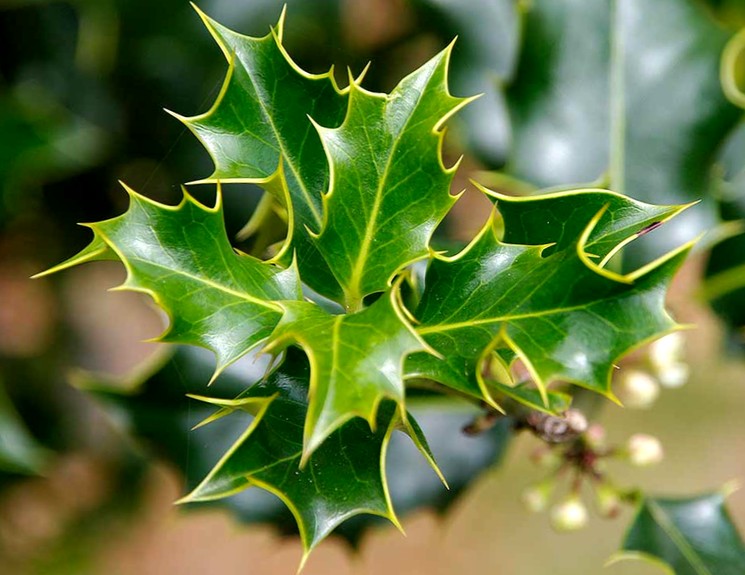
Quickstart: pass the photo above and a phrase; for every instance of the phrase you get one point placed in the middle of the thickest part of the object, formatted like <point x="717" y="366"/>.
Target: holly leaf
<point x="388" y="188"/>
<point x="560" y="218"/>
<point x="258" y="131"/>
<point x="556" y="306"/>
<point x="216" y="297"/>
<point x="693" y="536"/>
<point x="356" y="361"/>
<point x="151" y="407"/>
<point x="627" y="94"/>
<point x="344" y="477"/>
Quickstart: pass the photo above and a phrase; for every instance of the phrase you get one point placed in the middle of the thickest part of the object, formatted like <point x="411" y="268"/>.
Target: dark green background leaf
<point x="627" y="94"/>
<point x="692" y="536"/>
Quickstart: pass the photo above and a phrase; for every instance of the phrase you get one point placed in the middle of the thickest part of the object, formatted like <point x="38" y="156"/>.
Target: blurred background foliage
<point x="94" y="429"/>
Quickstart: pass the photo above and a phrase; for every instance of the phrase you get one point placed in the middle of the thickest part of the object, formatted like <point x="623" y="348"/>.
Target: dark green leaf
<point x="153" y="409"/>
<point x="344" y="477"/>
<point x="724" y="285"/>
<point x="625" y="93"/>
<point x="687" y="536"/>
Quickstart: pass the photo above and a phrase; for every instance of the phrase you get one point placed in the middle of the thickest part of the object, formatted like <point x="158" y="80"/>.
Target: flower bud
<point x="644" y="450"/>
<point x="637" y="389"/>
<point x="537" y="497"/>
<point x="667" y="350"/>
<point x="674" y="374"/>
<point x="569" y="515"/>
<point x="608" y="500"/>
<point x="595" y="436"/>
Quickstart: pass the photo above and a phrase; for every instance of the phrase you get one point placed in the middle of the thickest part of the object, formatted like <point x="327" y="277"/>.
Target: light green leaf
<point x="259" y="131"/>
<point x="216" y="298"/>
<point x="688" y="536"/>
<point x="388" y="189"/>
<point x="556" y="306"/>
<point x="356" y="361"/>
<point x="627" y="94"/>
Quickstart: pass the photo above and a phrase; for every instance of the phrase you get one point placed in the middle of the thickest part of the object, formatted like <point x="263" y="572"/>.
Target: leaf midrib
<point x="678" y="539"/>
<point x="353" y="291"/>
<point x="210" y="283"/>
<point x="280" y="141"/>
<point x="478" y="322"/>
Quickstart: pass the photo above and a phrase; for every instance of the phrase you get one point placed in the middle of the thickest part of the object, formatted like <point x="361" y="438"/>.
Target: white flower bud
<point x="569" y="515"/>
<point x="674" y="375"/>
<point x="537" y="497"/>
<point x="644" y="450"/>
<point x="667" y="350"/>
<point x="637" y="389"/>
<point x="576" y="420"/>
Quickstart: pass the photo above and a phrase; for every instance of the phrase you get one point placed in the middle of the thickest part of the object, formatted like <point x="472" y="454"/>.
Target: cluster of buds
<point x="638" y="386"/>
<point x="579" y="460"/>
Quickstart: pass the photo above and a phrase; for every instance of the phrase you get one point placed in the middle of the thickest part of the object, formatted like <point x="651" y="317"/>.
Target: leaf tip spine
<point x="675" y="254"/>
<point x="179" y="117"/>
<point x="280" y="27"/>
<point x="361" y="75"/>
<point x="730" y="487"/>
<point x="211" y="26"/>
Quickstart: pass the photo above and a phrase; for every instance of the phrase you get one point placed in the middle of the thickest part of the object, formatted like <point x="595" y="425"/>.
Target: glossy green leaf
<point x="560" y="218"/>
<point x="344" y="477"/>
<point x="556" y="306"/>
<point x="153" y="409"/>
<point x="388" y="189"/>
<point x="462" y="457"/>
<point x="356" y="361"/>
<point x="627" y="94"/>
<point x="686" y="536"/>
<point x="216" y="298"/>
<point x="259" y="131"/>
